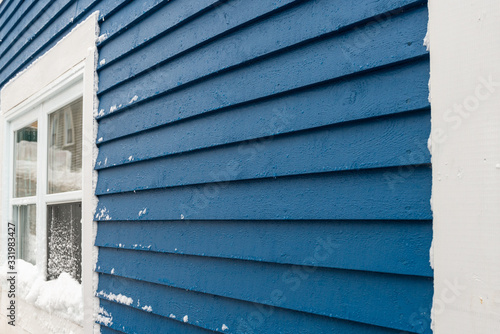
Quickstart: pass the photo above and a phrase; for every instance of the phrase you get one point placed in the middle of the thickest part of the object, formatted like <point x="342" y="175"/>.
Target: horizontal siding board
<point x="206" y="96"/>
<point x="133" y="321"/>
<point x="13" y="23"/>
<point x="306" y="21"/>
<point x="28" y="25"/>
<point x="399" y="247"/>
<point x="386" y="142"/>
<point x="8" y="14"/>
<point x="393" y="193"/>
<point x="399" y="39"/>
<point x="57" y="15"/>
<point x="4" y="7"/>
<point x="383" y="92"/>
<point x="299" y="23"/>
<point x="45" y="30"/>
<point x="123" y="39"/>
<point x="109" y="8"/>
<point x="176" y="25"/>
<point x="387" y="300"/>
<point x="107" y="330"/>
<point x="129" y="14"/>
<point x="212" y="312"/>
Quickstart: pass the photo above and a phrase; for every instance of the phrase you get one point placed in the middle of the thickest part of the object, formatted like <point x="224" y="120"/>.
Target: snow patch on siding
<point x="102" y="38"/>
<point x="104" y="317"/>
<point x="104" y="213"/>
<point x="427" y="41"/>
<point x="147" y="308"/>
<point x="116" y="298"/>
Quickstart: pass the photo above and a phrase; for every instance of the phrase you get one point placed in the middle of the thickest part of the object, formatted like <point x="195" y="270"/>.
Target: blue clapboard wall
<point x="263" y="165"/>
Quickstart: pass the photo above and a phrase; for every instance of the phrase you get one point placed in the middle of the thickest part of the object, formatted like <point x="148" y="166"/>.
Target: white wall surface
<point x="465" y="146"/>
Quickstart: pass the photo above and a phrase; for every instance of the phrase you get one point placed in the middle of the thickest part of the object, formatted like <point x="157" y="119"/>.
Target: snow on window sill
<point x="61" y="297"/>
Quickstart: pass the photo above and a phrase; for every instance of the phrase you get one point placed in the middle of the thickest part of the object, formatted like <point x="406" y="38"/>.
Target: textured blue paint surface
<point x="130" y="320"/>
<point x="396" y="89"/>
<point x="242" y="20"/>
<point x="9" y="12"/>
<point x="248" y="139"/>
<point x="380" y="194"/>
<point x="399" y="38"/>
<point x="399" y="247"/>
<point x="395" y="140"/>
<point x="211" y="311"/>
<point x="335" y="293"/>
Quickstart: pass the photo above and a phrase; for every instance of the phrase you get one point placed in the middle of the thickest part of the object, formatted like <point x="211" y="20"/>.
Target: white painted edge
<point x="465" y="146"/>
<point x="90" y="252"/>
<point x="73" y="57"/>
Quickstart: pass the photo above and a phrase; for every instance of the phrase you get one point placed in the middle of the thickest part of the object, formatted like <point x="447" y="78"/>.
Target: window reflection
<point x="65" y="149"/>
<point x="25" y="216"/>
<point x="64" y="240"/>
<point x="25" y="159"/>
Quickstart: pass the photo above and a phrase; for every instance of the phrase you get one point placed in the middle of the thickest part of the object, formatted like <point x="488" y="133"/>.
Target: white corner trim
<point x="73" y="59"/>
<point x="465" y="145"/>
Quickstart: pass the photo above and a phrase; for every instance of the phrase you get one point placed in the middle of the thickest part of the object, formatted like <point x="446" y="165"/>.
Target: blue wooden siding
<point x="262" y="164"/>
<point x="38" y="25"/>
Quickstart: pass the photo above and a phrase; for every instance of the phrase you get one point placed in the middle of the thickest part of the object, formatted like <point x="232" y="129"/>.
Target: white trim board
<point x="465" y="147"/>
<point x="71" y="61"/>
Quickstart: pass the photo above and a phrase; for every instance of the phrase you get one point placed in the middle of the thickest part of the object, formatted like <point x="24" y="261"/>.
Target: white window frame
<point x="54" y="98"/>
<point x="58" y="77"/>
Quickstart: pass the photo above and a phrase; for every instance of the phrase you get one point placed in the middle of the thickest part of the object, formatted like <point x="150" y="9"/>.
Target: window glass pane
<point x="25" y="217"/>
<point x="64" y="240"/>
<point x="65" y="149"/>
<point x="25" y="159"/>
